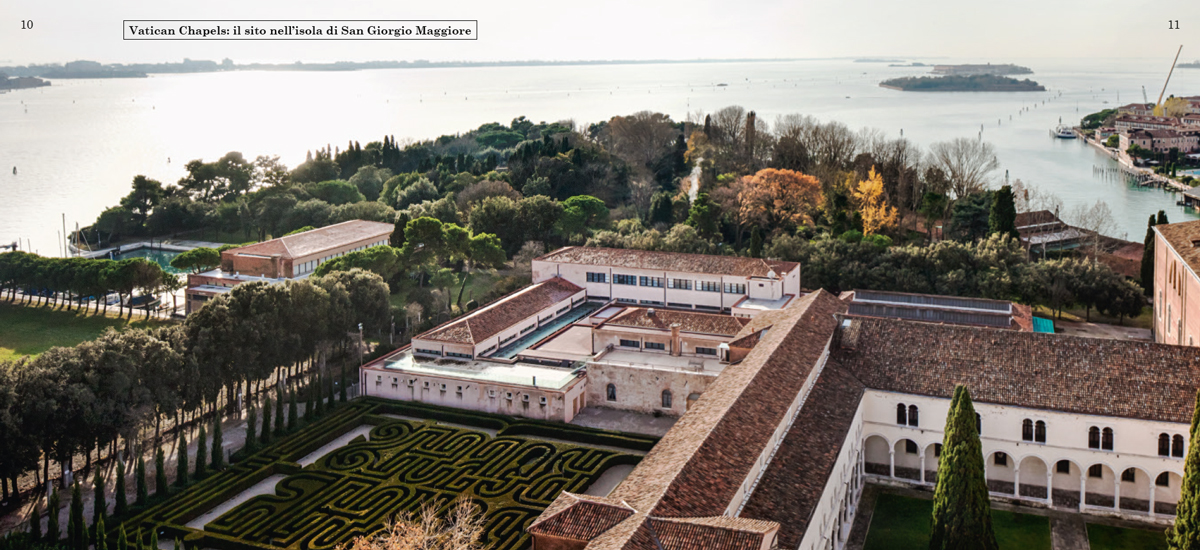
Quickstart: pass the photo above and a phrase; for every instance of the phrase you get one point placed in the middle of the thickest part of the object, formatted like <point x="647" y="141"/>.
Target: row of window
<point x="659" y="282"/>
<point x="309" y="266"/>
<point x="610" y="393"/>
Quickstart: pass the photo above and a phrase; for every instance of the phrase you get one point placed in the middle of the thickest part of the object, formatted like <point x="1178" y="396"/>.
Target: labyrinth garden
<point x="403" y="463"/>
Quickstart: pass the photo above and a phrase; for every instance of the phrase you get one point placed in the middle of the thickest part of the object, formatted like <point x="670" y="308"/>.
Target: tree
<point x="52" y="523"/>
<point x="1096" y="221"/>
<point x="877" y="215"/>
<point x="779" y="199"/>
<point x="99" y="502"/>
<point x="160" y="474"/>
<point x="704" y="216"/>
<point x="1184" y="533"/>
<point x="969" y="217"/>
<point x="461" y="530"/>
<point x="122" y="504"/>
<point x="76" y="528"/>
<point x="582" y="213"/>
<point x="265" y="436"/>
<point x="1003" y="216"/>
<point x="201" y="454"/>
<point x="967" y="163"/>
<point x="1147" y="273"/>
<point x="139" y="475"/>
<point x="197" y="260"/>
<point x="292" y="410"/>
<point x="662" y="209"/>
<point x="756" y="242"/>
<point x="122" y="539"/>
<point x="383" y="260"/>
<point x="218" y="451"/>
<point x="962" y="516"/>
<point x="279" y="411"/>
<point x="251" y="429"/>
<point x="100" y="536"/>
<point x="397" y="238"/>
<point x="35" y="522"/>
<point x="146" y="194"/>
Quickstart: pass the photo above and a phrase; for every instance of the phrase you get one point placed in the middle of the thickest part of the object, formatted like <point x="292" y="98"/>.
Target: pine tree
<point x="76" y="526"/>
<point x="293" y="410"/>
<point x="218" y="452"/>
<point x="265" y="436"/>
<point x="35" y="522"/>
<point x="181" y="462"/>
<point x="962" y="516"/>
<point x="100" y="508"/>
<point x="122" y="539"/>
<point x="160" y="474"/>
<point x="251" y="429"/>
<point x="279" y="412"/>
<point x="1184" y="534"/>
<point x="122" y="500"/>
<point x="139" y="473"/>
<point x="201" y="453"/>
<point x="1003" y="216"/>
<point x="99" y="535"/>
<point x="53" y="533"/>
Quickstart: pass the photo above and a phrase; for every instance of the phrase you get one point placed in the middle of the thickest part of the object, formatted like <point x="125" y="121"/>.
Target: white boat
<point x="1064" y="132"/>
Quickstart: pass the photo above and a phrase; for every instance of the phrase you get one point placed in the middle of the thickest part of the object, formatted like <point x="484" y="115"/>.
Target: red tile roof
<point x="690" y="321"/>
<point x="318" y="240"/>
<point x="669" y="261"/>
<point x="580" y="517"/>
<point x="503" y="313"/>
<point x="1183" y="237"/>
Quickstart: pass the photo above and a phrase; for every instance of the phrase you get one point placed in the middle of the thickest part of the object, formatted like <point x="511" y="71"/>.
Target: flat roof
<point x="317" y="240"/>
<point x="679" y="262"/>
<point x="518" y="374"/>
<point x="762" y="304"/>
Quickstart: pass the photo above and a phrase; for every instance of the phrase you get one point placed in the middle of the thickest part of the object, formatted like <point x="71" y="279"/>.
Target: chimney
<point x="675" y="344"/>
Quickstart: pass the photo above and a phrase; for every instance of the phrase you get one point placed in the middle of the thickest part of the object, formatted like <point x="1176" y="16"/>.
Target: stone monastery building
<point x="788" y="402"/>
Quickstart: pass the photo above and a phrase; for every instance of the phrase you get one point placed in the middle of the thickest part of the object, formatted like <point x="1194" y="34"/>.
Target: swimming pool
<point x="158" y="256"/>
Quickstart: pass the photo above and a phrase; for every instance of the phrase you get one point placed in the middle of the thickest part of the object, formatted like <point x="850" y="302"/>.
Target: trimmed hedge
<point x="356" y="488"/>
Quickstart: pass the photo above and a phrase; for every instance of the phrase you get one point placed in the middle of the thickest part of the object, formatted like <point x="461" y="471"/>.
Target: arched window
<point x="1164" y="445"/>
<point x="901" y="414"/>
<point x="612" y="392"/>
<point x="1093" y="438"/>
<point x="1163" y="480"/>
<point x="1128" y="476"/>
<point x="1063" y="467"/>
<point x="1177" y="446"/>
<point x="1039" y="432"/>
<point x="1107" y="443"/>
<point x="1027" y="430"/>
<point x="912" y="415"/>
<point x="666" y="399"/>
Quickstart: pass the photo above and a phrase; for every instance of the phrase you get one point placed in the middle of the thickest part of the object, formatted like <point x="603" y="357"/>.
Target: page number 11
<point x="26" y="24"/>
<point x="1173" y="24"/>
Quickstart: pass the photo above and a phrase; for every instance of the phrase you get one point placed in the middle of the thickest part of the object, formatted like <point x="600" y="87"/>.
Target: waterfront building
<point x="1176" y="285"/>
<point x="1125" y="123"/>
<point x="1042" y="231"/>
<point x="289" y="257"/>
<point x="1139" y="109"/>
<point x="1161" y="141"/>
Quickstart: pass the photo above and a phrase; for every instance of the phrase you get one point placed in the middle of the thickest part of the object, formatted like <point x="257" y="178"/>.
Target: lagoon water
<point x="78" y="143"/>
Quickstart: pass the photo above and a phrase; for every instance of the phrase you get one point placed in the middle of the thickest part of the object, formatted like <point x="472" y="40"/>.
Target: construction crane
<point x="1172" y="71"/>
<point x="1144" y="98"/>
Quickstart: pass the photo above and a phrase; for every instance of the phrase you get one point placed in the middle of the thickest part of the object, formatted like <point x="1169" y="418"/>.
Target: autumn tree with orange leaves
<point x="777" y="199"/>
<point x="877" y="215"/>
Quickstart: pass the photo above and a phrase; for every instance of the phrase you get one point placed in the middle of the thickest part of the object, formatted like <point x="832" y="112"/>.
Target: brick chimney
<point x="675" y="343"/>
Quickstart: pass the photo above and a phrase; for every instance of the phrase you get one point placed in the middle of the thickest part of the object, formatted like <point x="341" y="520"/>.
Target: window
<point x="708" y="286"/>
<point x="1000" y="459"/>
<point x="542" y="401"/>
<point x="1177" y="446"/>
<point x="910" y="447"/>
<point x="978" y="424"/>
<point x="735" y="288"/>
<point x="1027" y="430"/>
<point x="706" y="351"/>
<point x="656" y="282"/>
<point x="1096" y="470"/>
<point x="459" y="355"/>
<point x="937" y="450"/>
<point x="1093" y="438"/>
<point x="650" y="302"/>
<point x="1039" y="432"/>
<point x="630" y="343"/>
<point x="666" y="399"/>
<point x="901" y="414"/>
<point x="597" y="277"/>
<point x="1063" y="467"/>
<point x="1128" y="475"/>
<point x="912" y="415"/>
<point x="625" y="279"/>
<point x="681" y="284"/>
<point x="656" y="345"/>
<point x="1163" y="480"/>
<point x="528" y="328"/>
<point x="611" y="393"/>
<point x="1164" y="445"/>
<point x="1107" y="442"/>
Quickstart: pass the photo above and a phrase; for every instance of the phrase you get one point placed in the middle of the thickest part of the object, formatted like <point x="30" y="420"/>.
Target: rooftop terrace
<point x="519" y="374"/>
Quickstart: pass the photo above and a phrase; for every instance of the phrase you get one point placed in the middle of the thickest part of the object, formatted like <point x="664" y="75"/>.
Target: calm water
<point x="160" y="257"/>
<point x="78" y="144"/>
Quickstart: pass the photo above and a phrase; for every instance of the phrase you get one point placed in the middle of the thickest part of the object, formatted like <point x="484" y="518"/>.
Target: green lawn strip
<point x="30" y="330"/>
<point x="900" y="523"/>
<point x="1107" y="537"/>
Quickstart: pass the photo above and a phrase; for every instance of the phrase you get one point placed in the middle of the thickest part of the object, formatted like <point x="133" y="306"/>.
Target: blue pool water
<point x="160" y="257"/>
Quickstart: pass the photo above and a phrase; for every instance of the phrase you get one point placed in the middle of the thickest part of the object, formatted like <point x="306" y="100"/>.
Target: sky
<point x="66" y="30"/>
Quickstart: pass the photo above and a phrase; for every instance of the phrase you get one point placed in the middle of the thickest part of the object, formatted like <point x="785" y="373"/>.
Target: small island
<point x="977" y="83"/>
<point x="20" y="82"/>
<point x="876" y="60"/>
<point x="988" y="68"/>
<point x="1192" y="65"/>
<point x="913" y="64"/>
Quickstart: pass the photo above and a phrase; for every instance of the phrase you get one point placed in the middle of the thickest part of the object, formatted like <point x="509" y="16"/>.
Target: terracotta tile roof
<point x="318" y="240"/>
<point x="791" y="488"/>
<point x="710" y="533"/>
<point x="669" y="261"/>
<point x="698" y="466"/>
<point x="1025" y="219"/>
<point x="503" y="313"/>
<point x="1043" y="371"/>
<point x="580" y="517"/>
<point x="690" y="321"/>
<point x="1182" y="236"/>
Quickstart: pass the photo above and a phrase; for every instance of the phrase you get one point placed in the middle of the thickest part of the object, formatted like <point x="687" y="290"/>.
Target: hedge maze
<point x="402" y="464"/>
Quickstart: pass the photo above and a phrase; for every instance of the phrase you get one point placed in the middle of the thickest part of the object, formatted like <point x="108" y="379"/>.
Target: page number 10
<point x="1173" y="24"/>
<point x="26" y="24"/>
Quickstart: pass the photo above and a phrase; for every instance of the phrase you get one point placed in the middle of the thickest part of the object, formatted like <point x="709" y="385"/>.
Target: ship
<point x="1064" y="132"/>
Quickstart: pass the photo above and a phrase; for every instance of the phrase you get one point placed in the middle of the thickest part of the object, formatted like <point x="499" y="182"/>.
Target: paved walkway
<point x="1068" y="532"/>
<point x="624" y="421"/>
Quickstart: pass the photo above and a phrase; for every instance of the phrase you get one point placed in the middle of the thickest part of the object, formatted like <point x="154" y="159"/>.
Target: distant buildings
<point x="1162" y="141"/>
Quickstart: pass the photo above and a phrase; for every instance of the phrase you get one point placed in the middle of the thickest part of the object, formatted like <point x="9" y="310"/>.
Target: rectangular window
<point x="1001" y="459"/>
<point x="656" y="282"/>
<point x="507" y="340"/>
<point x="735" y="288"/>
<point x="563" y="310"/>
<point x="625" y="279"/>
<point x="459" y="355"/>
<point x="706" y="351"/>
<point x="708" y="286"/>
<point x="630" y="343"/>
<point x="678" y="304"/>
<point x="429" y="351"/>
<point x="528" y="328"/>
<point x="681" y="284"/>
<point x="650" y="302"/>
<point x="656" y="345"/>
<point x="597" y="277"/>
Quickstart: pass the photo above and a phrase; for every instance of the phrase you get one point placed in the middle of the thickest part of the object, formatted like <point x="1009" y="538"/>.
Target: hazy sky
<point x="65" y="30"/>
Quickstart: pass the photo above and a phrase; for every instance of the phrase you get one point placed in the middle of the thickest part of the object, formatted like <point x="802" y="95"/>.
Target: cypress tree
<point x="319" y="396"/>
<point x="218" y="452"/>
<point x="1162" y="218"/>
<point x="1003" y="216"/>
<point x="330" y="397"/>
<point x="177" y="545"/>
<point x="251" y="428"/>
<point x="122" y="539"/>
<point x="293" y="410"/>
<point x="756" y="242"/>
<point x="265" y="436"/>
<point x="99" y="501"/>
<point x="35" y="522"/>
<point x="962" y="516"/>
<point x="181" y="462"/>
<point x="53" y="534"/>
<point x="76" y="526"/>
<point x="279" y="412"/>
<point x="1184" y="534"/>
<point x="139" y="473"/>
<point x="201" y="453"/>
<point x="137" y="539"/>
<point x="122" y="500"/>
<point x="99" y="540"/>
<point x="160" y="474"/>
<point x="309" y="406"/>
<point x="154" y="539"/>
<point x="343" y="396"/>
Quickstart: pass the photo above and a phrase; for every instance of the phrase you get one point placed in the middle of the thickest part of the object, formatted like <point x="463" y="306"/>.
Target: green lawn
<point x="901" y="523"/>
<point x="33" y="330"/>
<point x="1104" y="537"/>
